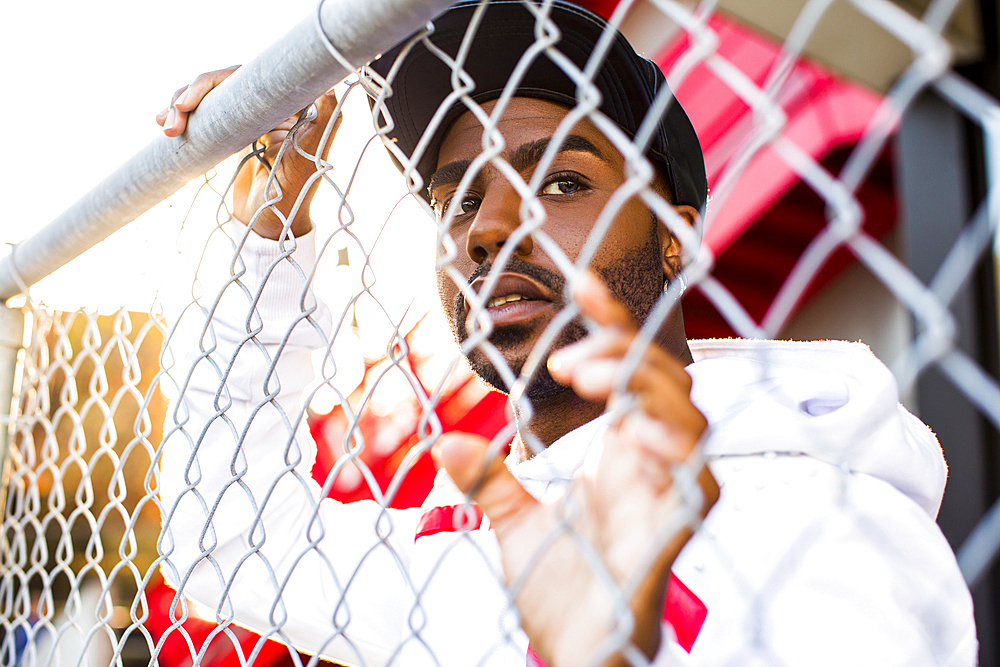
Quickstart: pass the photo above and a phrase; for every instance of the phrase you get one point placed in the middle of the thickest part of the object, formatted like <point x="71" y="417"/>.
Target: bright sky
<point x="84" y="83"/>
<point x="85" y="80"/>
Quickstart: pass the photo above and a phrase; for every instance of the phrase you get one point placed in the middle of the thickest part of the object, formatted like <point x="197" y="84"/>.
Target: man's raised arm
<point x="295" y="178"/>
<point x="246" y="530"/>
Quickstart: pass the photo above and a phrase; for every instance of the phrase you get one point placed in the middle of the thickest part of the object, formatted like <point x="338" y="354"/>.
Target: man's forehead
<point x="524" y="119"/>
<point x="517" y="110"/>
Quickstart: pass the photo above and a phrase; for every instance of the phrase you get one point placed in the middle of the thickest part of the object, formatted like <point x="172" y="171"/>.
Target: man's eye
<point x="560" y="186"/>
<point x="467" y="204"/>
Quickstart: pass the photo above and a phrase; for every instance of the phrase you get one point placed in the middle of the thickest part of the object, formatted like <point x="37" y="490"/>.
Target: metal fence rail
<point x="280" y="82"/>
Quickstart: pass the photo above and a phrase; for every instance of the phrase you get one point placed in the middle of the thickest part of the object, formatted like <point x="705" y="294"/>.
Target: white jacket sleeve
<point x="802" y="563"/>
<point x="822" y="549"/>
<point x="244" y="529"/>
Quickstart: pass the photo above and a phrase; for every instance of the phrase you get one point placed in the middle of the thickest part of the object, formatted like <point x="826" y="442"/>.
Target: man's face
<point x="577" y="185"/>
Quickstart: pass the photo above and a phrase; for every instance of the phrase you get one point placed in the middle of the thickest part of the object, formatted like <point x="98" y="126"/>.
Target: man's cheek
<point x="446" y="291"/>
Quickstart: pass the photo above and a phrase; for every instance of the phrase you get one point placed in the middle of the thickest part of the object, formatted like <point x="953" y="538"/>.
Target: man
<point x="822" y="548"/>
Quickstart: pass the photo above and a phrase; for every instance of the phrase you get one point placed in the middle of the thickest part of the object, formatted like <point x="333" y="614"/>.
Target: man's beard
<point x="636" y="281"/>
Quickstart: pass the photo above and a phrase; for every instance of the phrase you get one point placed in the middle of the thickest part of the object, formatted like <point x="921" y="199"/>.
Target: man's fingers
<point x="174" y="118"/>
<point x="177" y="94"/>
<point x="709" y="489"/>
<point x="669" y="442"/>
<point x="191" y="96"/>
<point x="309" y="134"/>
<point x="667" y="426"/>
<point x="618" y="332"/>
<point x="161" y="118"/>
<point x="314" y="131"/>
<point x="479" y="472"/>
<point x="174" y="123"/>
<point x="575" y="365"/>
<point x="295" y="173"/>
<point x="596" y="302"/>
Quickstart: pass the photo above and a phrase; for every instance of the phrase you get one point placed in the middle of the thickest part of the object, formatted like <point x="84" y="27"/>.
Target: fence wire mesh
<point x="242" y="475"/>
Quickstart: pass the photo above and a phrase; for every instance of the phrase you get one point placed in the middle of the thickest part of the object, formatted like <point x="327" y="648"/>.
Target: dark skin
<point x="582" y="179"/>
<point x="624" y="504"/>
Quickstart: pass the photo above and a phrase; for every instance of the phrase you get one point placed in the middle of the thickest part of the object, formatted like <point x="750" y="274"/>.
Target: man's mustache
<point x="550" y="279"/>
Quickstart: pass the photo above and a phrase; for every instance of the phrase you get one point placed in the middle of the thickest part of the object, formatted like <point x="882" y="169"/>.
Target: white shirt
<point x="822" y="549"/>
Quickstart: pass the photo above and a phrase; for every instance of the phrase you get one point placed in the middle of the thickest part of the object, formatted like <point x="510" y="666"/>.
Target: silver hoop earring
<point x="680" y="278"/>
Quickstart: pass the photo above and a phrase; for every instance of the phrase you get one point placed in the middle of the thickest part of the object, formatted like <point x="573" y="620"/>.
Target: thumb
<point x="313" y="132"/>
<point x="481" y="473"/>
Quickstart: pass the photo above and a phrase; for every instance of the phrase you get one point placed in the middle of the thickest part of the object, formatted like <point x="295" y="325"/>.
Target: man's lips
<point x="514" y="298"/>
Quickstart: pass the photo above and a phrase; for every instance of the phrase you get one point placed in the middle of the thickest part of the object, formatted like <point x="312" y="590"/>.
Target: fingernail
<point x="591" y="345"/>
<point x="182" y="98"/>
<point x="168" y="124"/>
<point x="566" y="357"/>
<point x="598" y="375"/>
<point x="586" y="284"/>
<point x="555" y="363"/>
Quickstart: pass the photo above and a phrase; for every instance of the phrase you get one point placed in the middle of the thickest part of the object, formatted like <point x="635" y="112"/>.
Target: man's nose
<point x="496" y="223"/>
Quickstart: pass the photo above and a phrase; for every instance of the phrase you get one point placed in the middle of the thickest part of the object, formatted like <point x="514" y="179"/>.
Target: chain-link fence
<point x="243" y="474"/>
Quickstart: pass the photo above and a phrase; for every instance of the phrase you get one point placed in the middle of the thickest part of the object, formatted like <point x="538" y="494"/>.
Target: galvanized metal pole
<point x="281" y="81"/>
<point x="11" y="338"/>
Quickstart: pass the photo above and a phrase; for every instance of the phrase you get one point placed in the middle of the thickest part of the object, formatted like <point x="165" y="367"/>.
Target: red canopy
<point x="824" y="112"/>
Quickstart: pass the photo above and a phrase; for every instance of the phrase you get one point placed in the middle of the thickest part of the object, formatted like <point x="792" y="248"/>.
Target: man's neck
<point x="555" y="416"/>
<point x="551" y="419"/>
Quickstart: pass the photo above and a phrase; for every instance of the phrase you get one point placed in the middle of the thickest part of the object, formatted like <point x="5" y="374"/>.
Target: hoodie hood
<point x="832" y="400"/>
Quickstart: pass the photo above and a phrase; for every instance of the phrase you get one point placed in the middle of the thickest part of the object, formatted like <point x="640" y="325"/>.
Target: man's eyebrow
<point x="528" y="155"/>
<point x="449" y="174"/>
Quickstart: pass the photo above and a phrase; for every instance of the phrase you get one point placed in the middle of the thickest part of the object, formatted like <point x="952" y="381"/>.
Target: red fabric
<point x="185" y="639"/>
<point x="448" y="519"/>
<point x="469" y="406"/>
<point x="534" y="660"/>
<point x="684" y="611"/>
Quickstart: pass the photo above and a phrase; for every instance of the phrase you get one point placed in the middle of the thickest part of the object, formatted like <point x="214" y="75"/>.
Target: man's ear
<point x="671" y="251"/>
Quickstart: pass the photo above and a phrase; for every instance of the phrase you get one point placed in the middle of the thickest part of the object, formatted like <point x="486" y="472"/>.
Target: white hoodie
<point x="821" y="551"/>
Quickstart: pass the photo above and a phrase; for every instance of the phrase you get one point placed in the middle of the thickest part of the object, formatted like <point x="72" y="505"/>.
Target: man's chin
<point x="541" y="387"/>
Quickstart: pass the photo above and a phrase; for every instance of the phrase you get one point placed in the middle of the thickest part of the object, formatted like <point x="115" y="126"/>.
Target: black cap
<point x="628" y="84"/>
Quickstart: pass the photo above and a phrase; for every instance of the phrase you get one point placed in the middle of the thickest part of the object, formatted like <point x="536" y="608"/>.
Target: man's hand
<point x="295" y="177"/>
<point x="630" y="512"/>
